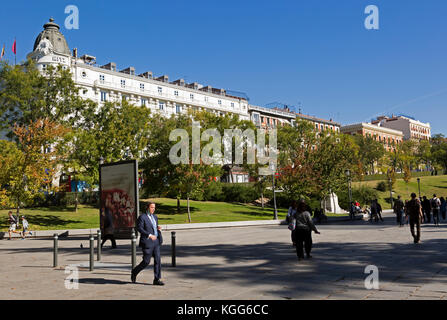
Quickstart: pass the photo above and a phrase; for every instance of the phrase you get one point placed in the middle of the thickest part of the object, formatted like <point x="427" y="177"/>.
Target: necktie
<point x="154" y="225"/>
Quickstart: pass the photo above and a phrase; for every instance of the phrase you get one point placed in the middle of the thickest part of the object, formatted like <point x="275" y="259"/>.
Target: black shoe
<point x="309" y="256"/>
<point x="133" y="277"/>
<point x="158" y="282"/>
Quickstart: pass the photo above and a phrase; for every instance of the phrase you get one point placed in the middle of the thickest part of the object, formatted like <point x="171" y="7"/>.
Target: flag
<point x="2" y="53"/>
<point x="14" y="47"/>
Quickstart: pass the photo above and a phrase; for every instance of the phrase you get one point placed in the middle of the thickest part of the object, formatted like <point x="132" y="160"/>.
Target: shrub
<point x="239" y="193"/>
<point x="213" y="192"/>
<point x="382" y="186"/>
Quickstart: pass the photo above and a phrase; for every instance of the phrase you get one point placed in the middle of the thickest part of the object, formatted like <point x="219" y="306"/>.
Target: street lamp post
<point x="274" y="196"/>
<point x="348" y="174"/>
<point x="391" y="192"/>
<point x="419" y="187"/>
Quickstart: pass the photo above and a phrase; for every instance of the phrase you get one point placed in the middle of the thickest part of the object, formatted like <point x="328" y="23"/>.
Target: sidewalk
<point x="174" y="227"/>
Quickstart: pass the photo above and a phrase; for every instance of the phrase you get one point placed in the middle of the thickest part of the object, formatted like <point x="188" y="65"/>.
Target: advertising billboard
<point x="119" y="205"/>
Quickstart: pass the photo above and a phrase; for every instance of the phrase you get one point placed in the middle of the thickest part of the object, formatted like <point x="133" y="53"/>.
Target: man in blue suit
<point x="150" y="242"/>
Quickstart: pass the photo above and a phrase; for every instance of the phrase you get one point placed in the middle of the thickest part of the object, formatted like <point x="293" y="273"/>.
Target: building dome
<point x="55" y="37"/>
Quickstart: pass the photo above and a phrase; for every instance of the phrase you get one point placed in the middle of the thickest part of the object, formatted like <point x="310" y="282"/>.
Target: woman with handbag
<point x="303" y="231"/>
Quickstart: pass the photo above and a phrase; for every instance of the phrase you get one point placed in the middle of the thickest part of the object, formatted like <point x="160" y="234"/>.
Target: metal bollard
<point x="55" y="249"/>
<point x="134" y="250"/>
<point x="173" y="248"/>
<point x="92" y="252"/>
<point x="98" y="245"/>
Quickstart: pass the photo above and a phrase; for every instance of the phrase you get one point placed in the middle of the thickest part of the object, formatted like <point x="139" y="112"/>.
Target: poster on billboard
<point x="118" y="198"/>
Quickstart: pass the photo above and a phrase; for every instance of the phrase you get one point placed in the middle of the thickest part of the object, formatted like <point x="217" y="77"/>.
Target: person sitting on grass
<point x="25" y="226"/>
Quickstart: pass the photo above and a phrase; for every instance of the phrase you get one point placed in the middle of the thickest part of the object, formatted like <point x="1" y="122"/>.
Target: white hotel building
<point x="108" y="83"/>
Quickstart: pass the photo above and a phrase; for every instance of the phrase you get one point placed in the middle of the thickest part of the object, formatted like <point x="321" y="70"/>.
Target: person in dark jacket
<point x="443" y="208"/>
<point x="303" y="231"/>
<point x="426" y="209"/>
<point x="399" y="211"/>
<point x="413" y="210"/>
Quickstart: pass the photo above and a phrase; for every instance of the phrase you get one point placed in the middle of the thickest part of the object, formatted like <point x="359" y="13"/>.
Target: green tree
<point x="29" y="165"/>
<point x="28" y="95"/>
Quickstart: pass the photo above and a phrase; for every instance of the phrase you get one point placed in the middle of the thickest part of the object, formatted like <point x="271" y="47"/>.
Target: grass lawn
<point x="88" y="217"/>
<point x="429" y="185"/>
<point x="56" y="218"/>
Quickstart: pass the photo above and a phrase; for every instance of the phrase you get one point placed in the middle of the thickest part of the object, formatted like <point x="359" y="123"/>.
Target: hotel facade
<point x="108" y="83"/>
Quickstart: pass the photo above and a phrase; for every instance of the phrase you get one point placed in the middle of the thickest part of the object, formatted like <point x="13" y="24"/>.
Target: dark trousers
<point x="399" y="215"/>
<point x="148" y="253"/>
<point x="303" y="240"/>
<point x="427" y="216"/>
<point x="415" y="222"/>
<point x="443" y="214"/>
<point x="436" y="216"/>
<point x="109" y="237"/>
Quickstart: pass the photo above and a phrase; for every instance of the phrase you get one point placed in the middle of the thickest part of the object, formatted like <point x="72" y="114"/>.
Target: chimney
<point x="75" y="52"/>
<point x="207" y="89"/>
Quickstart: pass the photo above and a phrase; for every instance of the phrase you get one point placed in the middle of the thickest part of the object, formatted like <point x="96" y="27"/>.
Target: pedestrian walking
<point x="426" y="209"/>
<point x="379" y="210"/>
<point x="352" y="211"/>
<point x="107" y="220"/>
<point x="303" y="231"/>
<point x="290" y="216"/>
<point x="414" y="212"/>
<point x="373" y="212"/>
<point x="12" y="224"/>
<point x="398" y="209"/>
<point x="443" y="208"/>
<point x="150" y="242"/>
<point x="25" y="226"/>
<point x="435" y="205"/>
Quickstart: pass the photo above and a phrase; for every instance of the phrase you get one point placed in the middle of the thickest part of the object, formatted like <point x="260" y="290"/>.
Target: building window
<point x="142" y="86"/>
<point x="101" y="78"/>
<point x="123" y="83"/>
<point x="161" y="106"/>
<point x="219" y="102"/>
<point x="143" y="102"/>
<point x="176" y="93"/>
<point x="206" y="99"/>
<point x="103" y="96"/>
<point x="124" y="97"/>
<point x="160" y="90"/>
<point x="191" y="96"/>
<point x="178" y="108"/>
<point x="232" y="105"/>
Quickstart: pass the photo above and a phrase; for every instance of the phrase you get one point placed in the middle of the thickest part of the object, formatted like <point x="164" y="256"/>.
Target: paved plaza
<point x="240" y="263"/>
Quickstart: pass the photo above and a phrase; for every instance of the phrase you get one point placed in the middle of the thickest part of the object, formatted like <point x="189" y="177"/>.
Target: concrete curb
<point x="174" y="227"/>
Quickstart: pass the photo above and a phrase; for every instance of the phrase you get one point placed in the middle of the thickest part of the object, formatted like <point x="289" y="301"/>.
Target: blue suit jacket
<point x="145" y="228"/>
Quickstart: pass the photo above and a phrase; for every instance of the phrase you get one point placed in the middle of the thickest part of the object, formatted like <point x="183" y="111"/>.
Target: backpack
<point x="435" y="203"/>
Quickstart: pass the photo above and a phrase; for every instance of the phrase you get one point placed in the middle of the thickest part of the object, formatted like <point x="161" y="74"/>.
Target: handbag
<point x="292" y="225"/>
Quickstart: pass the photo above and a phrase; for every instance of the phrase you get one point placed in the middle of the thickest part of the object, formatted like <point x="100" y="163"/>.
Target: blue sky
<point x="314" y="52"/>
